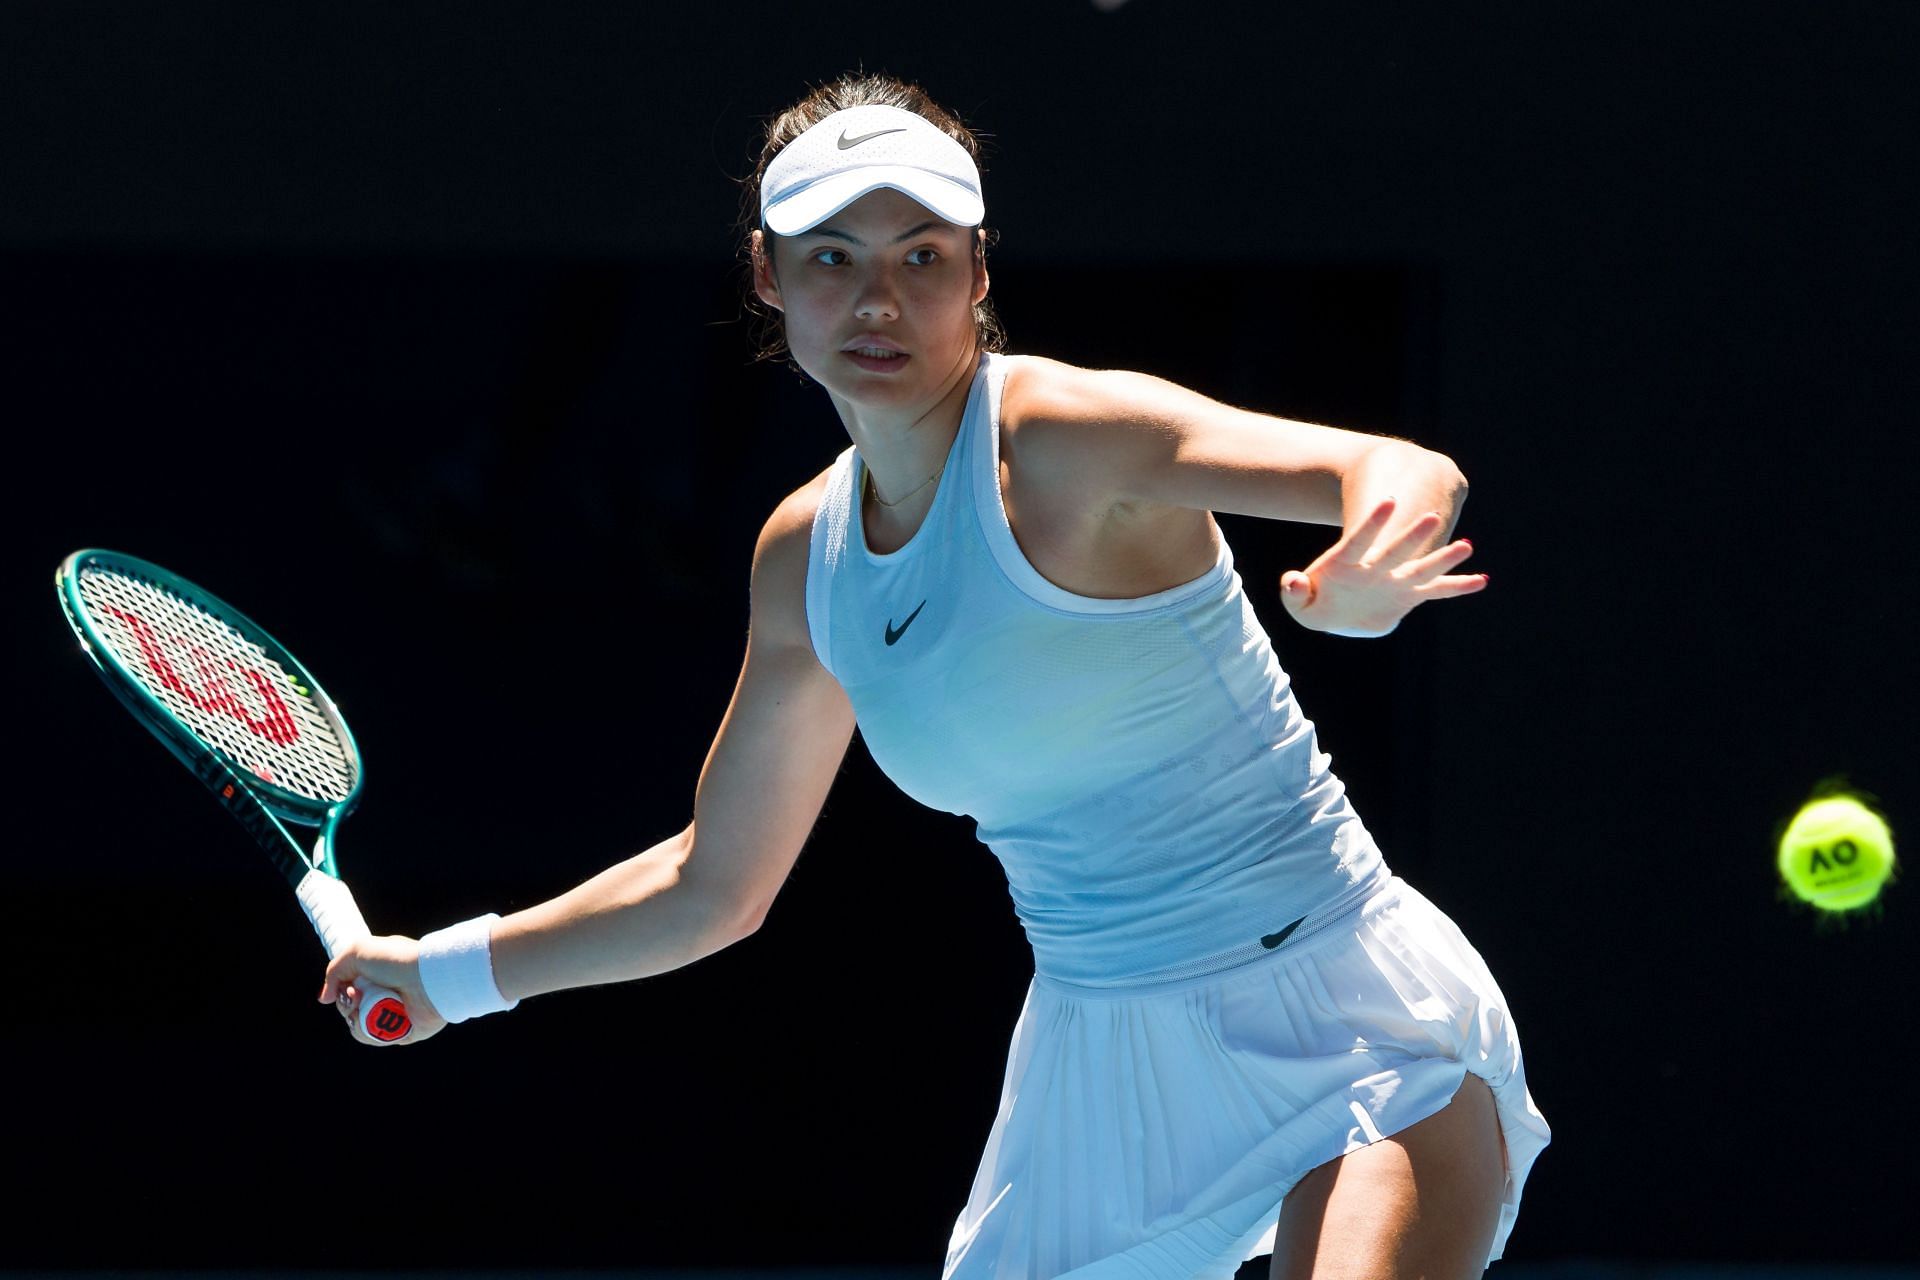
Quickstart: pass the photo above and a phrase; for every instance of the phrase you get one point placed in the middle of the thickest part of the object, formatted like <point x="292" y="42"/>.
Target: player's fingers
<point x="352" y="1017"/>
<point x="341" y="970"/>
<point x="1452" y="585"/>
<point x="1357" y="541"/>
<point x="349" y="1006"/>
<point x="1409" y="539"/>
<point x="1436" y="561"/>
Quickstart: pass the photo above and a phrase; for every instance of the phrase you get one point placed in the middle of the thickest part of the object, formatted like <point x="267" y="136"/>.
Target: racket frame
<point x="257" y="804"/>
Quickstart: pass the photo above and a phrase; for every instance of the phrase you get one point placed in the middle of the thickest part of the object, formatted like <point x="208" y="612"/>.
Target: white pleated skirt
<point x="1151" y="1133"/>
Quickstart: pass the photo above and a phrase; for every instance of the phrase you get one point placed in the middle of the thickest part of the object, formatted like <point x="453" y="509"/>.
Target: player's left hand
<point x="1365" y="583"/>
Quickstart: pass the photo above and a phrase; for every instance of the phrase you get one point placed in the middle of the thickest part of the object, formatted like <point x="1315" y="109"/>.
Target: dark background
<point x="415" y="330"/>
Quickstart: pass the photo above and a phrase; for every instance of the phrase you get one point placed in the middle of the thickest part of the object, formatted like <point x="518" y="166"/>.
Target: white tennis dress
<point x="1230" y="987"/>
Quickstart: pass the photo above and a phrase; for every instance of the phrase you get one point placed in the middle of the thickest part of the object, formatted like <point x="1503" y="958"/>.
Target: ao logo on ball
<point x="1836" y="854"/>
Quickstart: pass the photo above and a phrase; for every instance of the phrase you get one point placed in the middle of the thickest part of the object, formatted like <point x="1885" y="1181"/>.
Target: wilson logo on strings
<point x="216" y="694"/>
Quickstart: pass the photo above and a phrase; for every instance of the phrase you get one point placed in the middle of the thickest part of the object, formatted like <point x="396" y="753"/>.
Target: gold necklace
<point x="874" y="489"/>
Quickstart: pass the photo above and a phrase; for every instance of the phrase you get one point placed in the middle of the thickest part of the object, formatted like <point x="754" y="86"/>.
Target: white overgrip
<point x="336" y="918"/>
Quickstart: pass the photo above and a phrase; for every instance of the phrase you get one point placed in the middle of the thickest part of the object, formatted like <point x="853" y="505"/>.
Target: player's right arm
<point x="766" y="776"/>
<point x="708" y="886"/>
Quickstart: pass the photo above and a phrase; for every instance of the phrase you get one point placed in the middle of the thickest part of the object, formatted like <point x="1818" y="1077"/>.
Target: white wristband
<point x="456" y="968"/>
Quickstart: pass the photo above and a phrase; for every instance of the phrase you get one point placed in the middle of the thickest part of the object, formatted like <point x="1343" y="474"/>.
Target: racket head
<point x="209" y="681"/>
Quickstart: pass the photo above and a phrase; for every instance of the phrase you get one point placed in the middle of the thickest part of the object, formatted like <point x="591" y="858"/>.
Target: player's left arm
<point x="1136" y="439"/>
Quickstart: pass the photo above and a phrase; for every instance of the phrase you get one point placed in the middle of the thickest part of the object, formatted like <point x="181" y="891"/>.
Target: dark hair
<point x="854" y="89"/>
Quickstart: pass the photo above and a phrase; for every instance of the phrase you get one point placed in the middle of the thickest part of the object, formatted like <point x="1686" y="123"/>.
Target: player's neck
<point x="902" y="444"/>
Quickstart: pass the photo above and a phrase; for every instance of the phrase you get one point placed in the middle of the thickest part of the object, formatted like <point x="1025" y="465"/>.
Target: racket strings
<point x="222" y="685"/>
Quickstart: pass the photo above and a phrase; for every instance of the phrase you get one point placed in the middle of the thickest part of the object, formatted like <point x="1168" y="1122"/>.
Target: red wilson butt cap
<point x="388" y="1020"/>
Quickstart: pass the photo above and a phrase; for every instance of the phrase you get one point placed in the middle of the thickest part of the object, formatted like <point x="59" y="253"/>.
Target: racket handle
<point x="336" y="918"/>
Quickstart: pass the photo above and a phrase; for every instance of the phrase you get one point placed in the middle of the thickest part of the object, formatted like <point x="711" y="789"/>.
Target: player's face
<point x="885" y="272"/>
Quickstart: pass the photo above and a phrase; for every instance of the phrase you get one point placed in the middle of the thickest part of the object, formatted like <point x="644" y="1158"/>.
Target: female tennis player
<point x="1244" y="1034"/>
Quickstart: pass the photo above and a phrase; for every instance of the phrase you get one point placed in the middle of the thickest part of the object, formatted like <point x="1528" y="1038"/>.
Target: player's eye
<point x="818" y="252"/>
<point x="928" y="261"/>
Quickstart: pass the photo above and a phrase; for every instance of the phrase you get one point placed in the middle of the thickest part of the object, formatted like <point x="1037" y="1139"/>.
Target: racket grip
<point x="336" y="918"/>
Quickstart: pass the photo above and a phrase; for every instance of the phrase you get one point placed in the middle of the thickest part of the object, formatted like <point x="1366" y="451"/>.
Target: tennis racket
<point x="244" y="716"/>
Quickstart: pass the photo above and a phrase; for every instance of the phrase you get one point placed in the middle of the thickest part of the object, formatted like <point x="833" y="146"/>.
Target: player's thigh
<point x="1424" y="1202"/>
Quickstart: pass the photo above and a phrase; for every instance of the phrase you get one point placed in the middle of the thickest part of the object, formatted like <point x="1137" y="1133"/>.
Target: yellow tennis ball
<point x="1836" y="854"/>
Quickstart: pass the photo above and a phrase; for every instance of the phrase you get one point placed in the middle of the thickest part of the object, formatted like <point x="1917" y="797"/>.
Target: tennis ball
<point x="1836" y="854"/>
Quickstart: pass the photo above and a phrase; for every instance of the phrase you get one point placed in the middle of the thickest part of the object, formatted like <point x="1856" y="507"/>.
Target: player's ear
<point x="980" y="280"/>
<point x="764" y="282"/>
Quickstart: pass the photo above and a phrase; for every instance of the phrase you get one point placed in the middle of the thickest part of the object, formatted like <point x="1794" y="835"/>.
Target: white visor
<point x="862" y="149"/>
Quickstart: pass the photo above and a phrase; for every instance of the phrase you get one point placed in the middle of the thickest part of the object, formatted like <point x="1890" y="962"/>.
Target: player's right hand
<point x="392" y="962"/>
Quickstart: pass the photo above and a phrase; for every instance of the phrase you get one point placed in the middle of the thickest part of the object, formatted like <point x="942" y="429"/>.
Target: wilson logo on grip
<point x="389" y="1020"/>
<point x="215" y="695"/>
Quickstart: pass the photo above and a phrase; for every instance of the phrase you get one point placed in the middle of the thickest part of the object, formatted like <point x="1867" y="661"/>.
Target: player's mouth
<point x="877" y="357"/>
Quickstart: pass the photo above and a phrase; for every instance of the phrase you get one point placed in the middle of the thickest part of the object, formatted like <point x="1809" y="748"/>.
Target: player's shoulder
<point x="1063" y="428"/>
<point x="1050" y="403"/>
<point x="1042" y="389"/>
<point x="780" y="559"/>
<point x="788" y="531"/>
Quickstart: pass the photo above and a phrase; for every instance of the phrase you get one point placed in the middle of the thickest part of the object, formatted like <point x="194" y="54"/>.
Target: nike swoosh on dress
<point x="893" y="635"/>
<point x="1272" y="940"/>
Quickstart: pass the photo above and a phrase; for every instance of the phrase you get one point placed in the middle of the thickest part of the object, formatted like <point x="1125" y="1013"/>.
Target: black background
<point x="416" y="330"/>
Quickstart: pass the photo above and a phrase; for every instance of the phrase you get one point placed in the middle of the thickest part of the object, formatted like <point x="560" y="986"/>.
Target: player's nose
<point x="879" y="297"/>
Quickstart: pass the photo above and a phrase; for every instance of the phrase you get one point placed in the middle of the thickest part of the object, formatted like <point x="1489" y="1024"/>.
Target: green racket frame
<point x="258" y="805"/>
